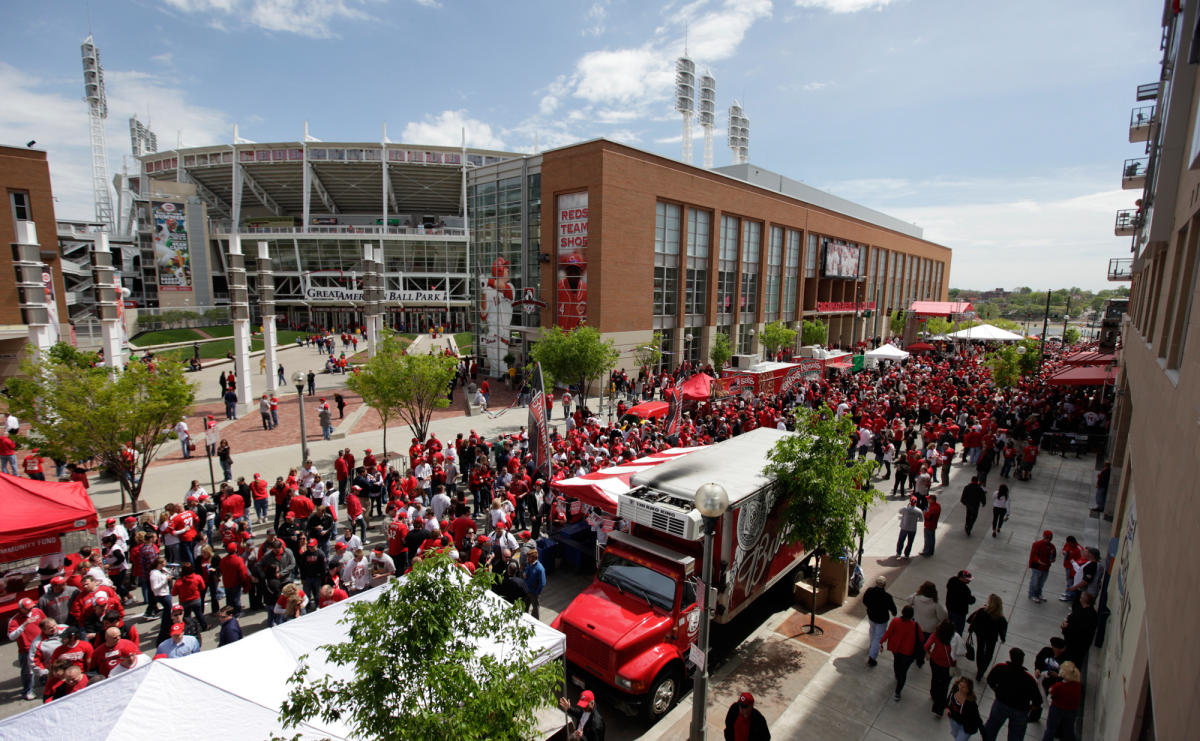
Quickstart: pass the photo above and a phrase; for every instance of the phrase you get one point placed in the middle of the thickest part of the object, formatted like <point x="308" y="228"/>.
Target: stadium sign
<point x="348" y="294"/>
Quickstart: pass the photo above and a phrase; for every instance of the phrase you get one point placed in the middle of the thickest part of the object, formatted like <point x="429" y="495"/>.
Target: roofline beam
<point x="261" y="193"/>
<point x="211" y="199"/>
<point x="323" y="194"/>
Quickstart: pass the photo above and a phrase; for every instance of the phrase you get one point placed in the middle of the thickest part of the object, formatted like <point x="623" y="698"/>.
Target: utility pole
<point x="1045" y="329"/>
<point x="1066" y="318"/>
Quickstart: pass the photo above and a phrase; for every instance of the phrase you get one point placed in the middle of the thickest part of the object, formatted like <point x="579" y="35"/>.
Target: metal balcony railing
<point x="226" y="227"/>
<point x="1128" y="221"/>
<point x="1147" y="91"/>
<point x="1133" y="173"/>
<point x="1141" y="119"/>
<point x="1120" y="268"/>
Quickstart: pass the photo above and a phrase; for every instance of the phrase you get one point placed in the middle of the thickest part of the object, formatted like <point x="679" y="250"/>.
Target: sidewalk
<point x="821" y="688"/>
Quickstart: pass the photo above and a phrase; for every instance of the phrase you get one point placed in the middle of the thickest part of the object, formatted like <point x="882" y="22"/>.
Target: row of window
<point x="1162" y="294"/>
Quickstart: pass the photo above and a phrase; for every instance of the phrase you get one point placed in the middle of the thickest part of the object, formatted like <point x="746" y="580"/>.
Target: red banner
<point x="830" y="307"/>
<point x="39" y="546"/>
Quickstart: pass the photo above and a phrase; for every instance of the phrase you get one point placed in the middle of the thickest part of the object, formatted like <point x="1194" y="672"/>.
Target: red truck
<point x="629" y="633"/>
<point x="770" y="377"/>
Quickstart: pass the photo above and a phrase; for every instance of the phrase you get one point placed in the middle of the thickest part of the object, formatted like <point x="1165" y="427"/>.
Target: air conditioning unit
<point x="660" y="511"/>
<point x="743" y="362"/>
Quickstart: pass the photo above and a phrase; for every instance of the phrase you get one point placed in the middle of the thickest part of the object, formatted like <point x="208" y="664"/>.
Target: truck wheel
<point x="663" y="692"/>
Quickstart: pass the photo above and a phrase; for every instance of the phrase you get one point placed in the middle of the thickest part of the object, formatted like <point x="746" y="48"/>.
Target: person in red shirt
<point x="233" y="505"/>
<point x="235" y="576"/>
<point x="259" y="493"/>
<point x="301" y="506"/>
<point x="23" y="628"/>
<point x="189" y="588"/>
<point x="73" y="650"/>
<point x="8" y="455"/>
<point x="64" y="679"/>
<point x="354" y="512"/>
<point x="330" y="594"/>
<point x="33" y="466"/>
<point x="78" y="474"/>
<point x="933" y="511"/>
<point x="342" y="471"/>
<point x="108" y="654"/>
<point x="396" y="548"/>
<point x="903" y="638"/>
<point x="183" y="524"/>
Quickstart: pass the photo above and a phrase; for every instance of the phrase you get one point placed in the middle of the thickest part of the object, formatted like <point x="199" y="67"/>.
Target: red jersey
<point x="32" y="463"/>
<point x="105" y="658"/>
<point x="396" y="533"/>
<point x="234" y="506"/>
<point x="258" y="489"/>
<point x="79" y="654"/>
<point x="184" y="525"/>
<point x="24" y="630"/>
<point x="338" y="595"/>
<point x="302" y="506"/>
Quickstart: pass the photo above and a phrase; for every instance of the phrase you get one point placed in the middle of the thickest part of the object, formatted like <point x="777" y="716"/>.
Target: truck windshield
<point x="657" y="589"/>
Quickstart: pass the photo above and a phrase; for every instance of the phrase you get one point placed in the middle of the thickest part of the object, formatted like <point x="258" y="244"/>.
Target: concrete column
<point x="108" y="298"/>
<point x="240" y="310"/>
<point x="266" y="296"/>
<point x="31" y="275"/>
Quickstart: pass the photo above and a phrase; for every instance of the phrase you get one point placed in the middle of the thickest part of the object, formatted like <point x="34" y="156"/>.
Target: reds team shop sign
<point x="571" y="286"/>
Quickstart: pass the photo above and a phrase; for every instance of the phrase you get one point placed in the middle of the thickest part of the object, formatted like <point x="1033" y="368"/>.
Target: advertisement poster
<point x="51" y="305"/>
<point x="171" y="247"/>
<point x="496" y="295"/>
<point x="841" y="259"/>
<point x="572" y="259"/>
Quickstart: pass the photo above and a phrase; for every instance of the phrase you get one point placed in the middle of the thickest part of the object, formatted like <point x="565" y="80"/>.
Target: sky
<point x="999" y="128"/>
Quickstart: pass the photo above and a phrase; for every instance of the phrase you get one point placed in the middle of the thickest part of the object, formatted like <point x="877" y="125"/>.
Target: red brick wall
<point x="27" y="170"/>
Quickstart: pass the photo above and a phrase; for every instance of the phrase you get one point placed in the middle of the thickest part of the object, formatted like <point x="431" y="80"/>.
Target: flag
<point x="675" y="415"/>
<point x="539" y="428"/>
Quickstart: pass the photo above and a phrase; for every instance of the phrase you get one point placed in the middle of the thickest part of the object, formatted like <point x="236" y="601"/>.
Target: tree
<point x="79" y="411"/>
<point x="813" y="332"/>
<point x="417" y="671"/>
<point x="776" y="335"/>
<point x="1014" y="361"/>
<point x="410" y="387"/>
<point x="649" y="355"/>
<point x="577" y="357"/>
<point x="720" y="352"/>
<point x="897" y="322"/>
<point x="937" y="326"/>
<point x="826" y="496"/>
<point x="1071" y="336"/>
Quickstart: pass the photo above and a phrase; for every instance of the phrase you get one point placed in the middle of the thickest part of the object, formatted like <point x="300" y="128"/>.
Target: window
<point x="729" y="238"/>
<point x="668" y="352"/>
<point x="20" y="206"/>
<point x="792" y="258"/>
<point x="751" y="255"/>
<point x="810" y="259"/>
<point x="697" y="288"/>
<point x="666" y="290"/>
<point x="693" y="339"/>
<point x="725" y="289"/>
<point x="698" y="227"/>
<point x="666" y="229"/>
<point x="745" y="344"/>
<point x="789" y="297"/>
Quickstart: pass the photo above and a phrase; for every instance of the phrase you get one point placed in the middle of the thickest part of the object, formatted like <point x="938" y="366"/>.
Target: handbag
<point x="191" y="447"/>
<point x="970" y="646"/>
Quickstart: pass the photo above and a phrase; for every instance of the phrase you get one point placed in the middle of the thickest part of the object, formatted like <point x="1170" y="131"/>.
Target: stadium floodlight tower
<point x="708" y="103"/>
<point x="739" y="134"/>
<point x="93" y="89"/>
<point x="685" y="100"/>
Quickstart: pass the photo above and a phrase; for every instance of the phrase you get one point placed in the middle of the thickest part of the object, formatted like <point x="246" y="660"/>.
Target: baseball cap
<point x="177" y="629"/>
<point x="101" y="598"/>
<point x="965" y="575"/>
<point x="525" y="535"/>
<point x="746" y="699"/>
<point x="111" y="521"/>
<point x="912" y="500"/>
<point x="177" y="608"/>
<point x="339" y="546"/>
<point x="126" y="648"/>
<point x="379" y="551"/>
<point x="27" y="603"/>
<point x="58" y="580"/>
<point x="192" y="499"/>
<point x="312" y="543"/>
<point x="586" y="699"/>
<point x="1047" y="533"/>
<point x="484" y="539"/>
<point x="290" y="516"/>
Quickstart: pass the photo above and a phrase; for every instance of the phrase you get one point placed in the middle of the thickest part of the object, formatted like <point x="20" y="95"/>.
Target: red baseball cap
<point x="127" y="648"/>
<point x="586" y="699"/>
<point x="177" y="629"/>
<point x="746" y="699"/>
<point x="58" y="580"/>
<point x="339" y="546"/>
<point x="111" y="521"/>
<point x="312" y="543"/>
<point x="27" y="603"/>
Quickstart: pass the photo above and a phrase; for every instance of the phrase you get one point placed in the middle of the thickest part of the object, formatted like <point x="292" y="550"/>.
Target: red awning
<point x="939" y="308"/>
<point x="839" y="363"/>
<point x="33" y="508"/>
<point x="1090" y="357"/>
<point x="697" y="388"/>
<point x="649" y="409"/>
<point x="600" y="488"/>
<point x="1083" y="375"/>
<point x="919" y="347"/>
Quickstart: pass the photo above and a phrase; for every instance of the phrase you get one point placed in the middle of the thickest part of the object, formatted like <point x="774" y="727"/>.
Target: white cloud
<point x="429" y="3"/>
<point x="623" y="76"/>
<point x="595" y="18"/>
<point x="312" y="18"/>
<point x="843" y="6"/>
<point x="446" y="129"/>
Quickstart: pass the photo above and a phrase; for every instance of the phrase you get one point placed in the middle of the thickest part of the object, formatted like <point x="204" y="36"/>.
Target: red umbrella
<point x="919" y="347"/>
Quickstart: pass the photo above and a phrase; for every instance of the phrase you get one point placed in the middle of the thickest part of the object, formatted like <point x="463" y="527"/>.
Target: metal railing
<point x="1128" y="220"/>
<point x="1120" y="268"/>
<point x="1142" y="116"/>
<point x="1135" y="167"/>
<point x="226" y="227"/>
<point x="1148" y="91"/>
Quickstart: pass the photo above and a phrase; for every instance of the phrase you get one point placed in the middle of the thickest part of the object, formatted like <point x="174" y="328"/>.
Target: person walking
<point x="909" y="517"/>
<point x="231" y="400"/>
<point x="880" y="609"/>
<point x="1041" y="558"/>
<point x="264" y="411"/>
<point x="225" y="456"/>
<point x="535" y="582"/>
<point x="988" y="626"/>
<point x="926" y="610"/>
<point x="1000" y="508"/>
<point x="1064" y="696"/>
<point x="942" y="648"/>
<point x="903" y="639"/>
<point x="959" y="599"/>
<point x="340" y="401"/>
<point x="326" y="421"/>
<point x="933" y="511"/>
<point x="962" y="707"/>
<point x="901" y="476"/>
<point x="744" y="721"/>
<point x="1016" y="693"/>
<point x="312" y="383"/>
<point x="973" y="497"/>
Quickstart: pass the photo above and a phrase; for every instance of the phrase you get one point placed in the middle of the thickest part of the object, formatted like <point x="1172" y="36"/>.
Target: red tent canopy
<point x="697" y="388"/>
<point x="41" y="508"/>
<point x="600" y="488"/>
<point x="919" y="347"/>
<point x="939" y="308"/>
<point x="1089" y="357"/>
<point x="1083" y="375"/>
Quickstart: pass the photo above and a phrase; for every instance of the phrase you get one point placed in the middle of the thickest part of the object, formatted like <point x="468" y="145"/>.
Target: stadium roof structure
<point x="344" y="177"/>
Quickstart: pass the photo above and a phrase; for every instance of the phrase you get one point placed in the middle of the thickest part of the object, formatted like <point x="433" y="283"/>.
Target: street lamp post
<point x="711" y="501"/>
<point x="298" y="382"/>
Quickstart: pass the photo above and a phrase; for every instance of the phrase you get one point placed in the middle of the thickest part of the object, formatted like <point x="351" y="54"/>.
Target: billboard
<point x="572" y="259"/>
<point x="841" y="260"/>
<point x="171" y="254"/>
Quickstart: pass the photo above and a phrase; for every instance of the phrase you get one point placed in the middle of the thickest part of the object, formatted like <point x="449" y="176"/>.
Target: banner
<point x="171" y="253"/>
<point x="51" y="305"/>
<point x="675" y="415"/>
<point x="572" y="245"/>
<point x="539" y="428"/>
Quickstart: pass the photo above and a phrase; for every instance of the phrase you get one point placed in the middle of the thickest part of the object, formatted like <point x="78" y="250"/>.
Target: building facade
<point x="1148" y="667"/>
<point x="632" y="243"/>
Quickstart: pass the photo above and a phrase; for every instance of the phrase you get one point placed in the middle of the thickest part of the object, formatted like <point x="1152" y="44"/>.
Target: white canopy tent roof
<point x="986" y="333"/>
<point x="236" y="690"/>
<point x="887" y="352"/>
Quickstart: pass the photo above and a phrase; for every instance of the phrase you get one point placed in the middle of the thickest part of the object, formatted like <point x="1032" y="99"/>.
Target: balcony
<point x="1147" y="91"/>
<point x="1133" y="175"/>
<point x="1141" y="120"/>
<point x="1120" y="268"/>
<point x="1128" y="222"/>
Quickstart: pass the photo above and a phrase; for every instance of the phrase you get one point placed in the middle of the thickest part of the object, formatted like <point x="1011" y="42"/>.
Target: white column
<point x="111" y="340"/>
<point x="241" y="342"/>
<point x="371" y="275"/>
<point x="270" y="336"/>
<point x="31" y="276"/>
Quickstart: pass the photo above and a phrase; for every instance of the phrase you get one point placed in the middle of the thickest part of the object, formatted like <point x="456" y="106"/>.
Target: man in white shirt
<point x="441" y="502"/>
<point x="424" y="474"/>
<point x="356" y="574"/>
<point x="181" y="430"/>
<point x="130" y="659"/>
<point x="308" y="475"/>
<point x="12" y="425"/>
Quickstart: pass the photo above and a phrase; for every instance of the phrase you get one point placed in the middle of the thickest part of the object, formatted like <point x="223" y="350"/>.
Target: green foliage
<point x="410" y="387"/>
<point x="720" y="352"/>
<point x="417" y="673"/>
<point x="937" y="326"/>
<point x="1009" y="364"/>
<point x="165" y="336"/>
<point x="1071" y="336"/>
<point x="1024" y="304"/>
<point x="649" y="355"/>
<point x="826" y="496"/>
<point x="776" y="335"/>
<point x="813" y="332"/>
<point x="79" y="412"/>
<point x="896" y="322"/>
<point x="577" y="357"/>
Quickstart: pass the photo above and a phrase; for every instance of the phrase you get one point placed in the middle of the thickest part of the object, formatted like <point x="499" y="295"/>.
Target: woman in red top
<point x="189" y="588"/>
<point x="940" y="650"/>
<point x="1064" y="703"/>
<point x="903" y="639"/>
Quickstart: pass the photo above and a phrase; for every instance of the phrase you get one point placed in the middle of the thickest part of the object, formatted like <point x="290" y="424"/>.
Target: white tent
<point x="986" y="333"/>
<point x="887" y="352"/>
<point x="235" y="690"/>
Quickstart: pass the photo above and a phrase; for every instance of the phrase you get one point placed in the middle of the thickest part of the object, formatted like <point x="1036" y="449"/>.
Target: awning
<point x="920" y="347"/>
<point x="600" y="488"/>
<point x="32" y="508"/>
<point x="939" y="308"/>
<point x="1083" y="375"/>
<point x="1090" y="357"/>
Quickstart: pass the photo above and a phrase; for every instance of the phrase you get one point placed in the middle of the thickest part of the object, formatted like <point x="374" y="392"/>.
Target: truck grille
<point x="589" y="651"/>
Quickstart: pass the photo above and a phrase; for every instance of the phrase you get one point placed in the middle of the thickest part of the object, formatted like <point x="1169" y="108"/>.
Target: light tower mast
<point x="685" y="100"/>
<point x="93" y="89"/>
<point x="708" y="103"/>
<point x="739" y="134"/>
